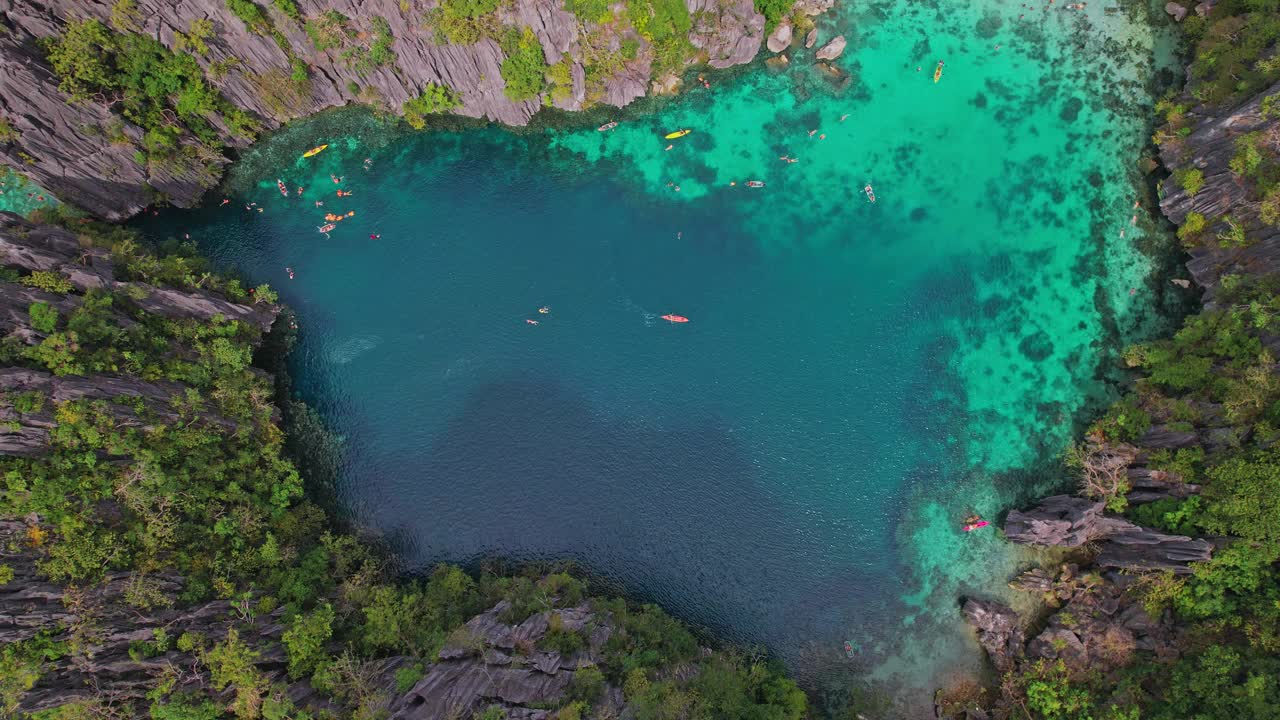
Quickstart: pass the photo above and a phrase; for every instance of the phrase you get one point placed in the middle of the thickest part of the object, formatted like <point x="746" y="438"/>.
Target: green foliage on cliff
<point x="524" y="69"/>
<point x="589" y="11"/>
<point x="328" y="31"/>
<point x="433" y="100"/>
<point x="152" y="86"/>
<point x="43" y="317"/>
<point x="250" y="14"/>
<point x="773" y="11"/>
<point x="1234" y="50"/>
<point x="1189" y="179"/>
<point x="197" y="485"/>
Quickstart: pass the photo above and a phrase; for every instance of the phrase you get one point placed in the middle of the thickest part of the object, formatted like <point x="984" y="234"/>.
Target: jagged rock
<point x="1067" y="521"/>
<point x="1061" y="520"/>
<point x="666" y="85"/>
<point x="1151" y="485"/>
<point x="1182" y="283"/>
<point x="1210" y="147"/>
<point x="1176" y="11"/>
<point x="1203" y="8"/>
<point x="1163" y="438"/>
<point x="780" y="38"/>
<point x="47" y="247"/>
<point x="810" y="38"/>
<point x="1129" y="546"/>
<point x="833" y="49"/>
<point x="730" y="31"/>
<point x="1056" y="643"/>
<point x="999" y="630"/>
<point x="1034" y="580"/>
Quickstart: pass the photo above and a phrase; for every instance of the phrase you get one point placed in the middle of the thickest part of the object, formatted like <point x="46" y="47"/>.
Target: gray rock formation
<point x="500" y="664"/>
<point x="833" y="49"/>
<point x="780" y="38"/>
<point x="1061" y="520"/>
<point x="1068" y="521"/>
<point x="1210" y="147"/>
<point x="729" y="31"/>
<point x="810" y="38"/>
<point x="999" y="630"/>
<point x="85" y="155"/>
<point x="51" y="248"/>
<point x="1176" y="11"/>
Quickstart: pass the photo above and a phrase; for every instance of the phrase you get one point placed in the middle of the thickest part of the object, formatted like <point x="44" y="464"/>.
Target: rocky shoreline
<point x="90" y="155"/>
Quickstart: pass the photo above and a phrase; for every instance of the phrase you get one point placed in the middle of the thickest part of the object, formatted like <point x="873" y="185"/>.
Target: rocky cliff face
<point x="1209" y="148"/>
<point x="85" y="154"/>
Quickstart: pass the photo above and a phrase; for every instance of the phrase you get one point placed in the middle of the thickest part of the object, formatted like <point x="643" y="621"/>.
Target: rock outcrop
<point x="780" y="38"/>
<point x="833" y="49"/>
<point x="501" y="665"/>
<point x="999" y="630"/>
<point x="1069" y="521"/>
<point x="86" y="155"/>
<point x="1209" y="148"/>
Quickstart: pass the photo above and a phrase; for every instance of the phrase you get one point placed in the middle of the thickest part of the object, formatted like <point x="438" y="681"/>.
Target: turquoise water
<point x="790" y="467"/>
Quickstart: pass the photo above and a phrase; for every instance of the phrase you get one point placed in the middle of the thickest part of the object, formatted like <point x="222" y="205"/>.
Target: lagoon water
<point x="791" y="466"/>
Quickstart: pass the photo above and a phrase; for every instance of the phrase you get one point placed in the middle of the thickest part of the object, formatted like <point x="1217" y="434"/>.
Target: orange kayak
<point x="675" y="318"/>
<point x="937" y="74"/>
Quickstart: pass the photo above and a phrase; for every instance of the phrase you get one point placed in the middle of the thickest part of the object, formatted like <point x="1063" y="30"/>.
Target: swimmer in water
<point x="290" y="271"/>
<point x="299" y="191"/>
<point x="1122" y="233"/>
<point x="1133" y="220"/>
<point x="544" y="310"/>
<point x="373" y="236"/>
<point x="225" y="201"/>
<point x="812" y="132"/>
<point x="531" y="322"/>
<point x="670" y="146"/>
<point x="844" y="117"/>
<point x="319" y="203"/>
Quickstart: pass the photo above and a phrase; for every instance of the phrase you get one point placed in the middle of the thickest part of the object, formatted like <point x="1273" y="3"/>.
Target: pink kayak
<point x="975" y="526"/>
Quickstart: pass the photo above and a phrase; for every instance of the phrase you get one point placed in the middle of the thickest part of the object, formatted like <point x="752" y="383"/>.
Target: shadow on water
<point x="678" y="511"/>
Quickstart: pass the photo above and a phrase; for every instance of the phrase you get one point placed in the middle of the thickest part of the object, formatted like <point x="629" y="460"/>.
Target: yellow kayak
<point x="314" y="151"/>
<point x="937" y="74"/>
<point x="678" y="134"/>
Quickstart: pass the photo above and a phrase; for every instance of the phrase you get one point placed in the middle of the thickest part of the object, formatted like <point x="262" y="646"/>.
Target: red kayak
<point x="975" y="526"/>
<point x="675" y="318"/>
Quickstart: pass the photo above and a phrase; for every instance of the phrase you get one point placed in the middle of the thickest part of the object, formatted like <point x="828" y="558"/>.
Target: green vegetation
<point x="464" y="22"/>
<point x="162" y="91"/>
<point x="201" y="487"/>
<point x="8" y="133"/>
<point x="251" y="15"/>
<point x="589" y="11"/>
<point x="665" y="24"/>
<point x="433" y="100"/>
<point x="328" y="31"/>
<point x="524" y="69"/>
<point x="289" y="8"/>
<point x="196" y="37"/>
<point x="124" y="16"/>
<point x="1234" y="50"/>
<point x="48" y="281"/>
<point x="1189" y="179"/>
<point x="773" y="11"/>
<point x="1191" y="228"/>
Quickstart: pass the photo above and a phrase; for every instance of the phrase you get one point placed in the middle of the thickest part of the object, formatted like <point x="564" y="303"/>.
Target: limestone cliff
<point x="85" y="154"/>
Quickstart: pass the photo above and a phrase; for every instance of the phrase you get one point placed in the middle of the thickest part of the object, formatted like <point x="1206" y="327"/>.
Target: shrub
<point x="250" y="14"/>
<point x="80" y="59"/>
<point x="124" y="15"/>
<point x="196" y="37"/>
<point x="658" y="20"/>
<point x="48" y="281"/>
<point x="328" y="31"/>
<point x="470" y="8"/>
<point x="44" y="318"/>
<point x="1192" y="225"/>
<point x="589" y="11"/>
<point x="525" y="67"/>
<point x="289" y="8"/>
<point x="304" y="641"/>
<point x="1189" y="179"/>
<point x="773" y="11"/>
<point x="433" y="100"/>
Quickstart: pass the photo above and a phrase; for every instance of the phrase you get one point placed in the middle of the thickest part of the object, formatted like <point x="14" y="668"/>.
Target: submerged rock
<point x="833" y="49"/>
<point x="780" y="38"/>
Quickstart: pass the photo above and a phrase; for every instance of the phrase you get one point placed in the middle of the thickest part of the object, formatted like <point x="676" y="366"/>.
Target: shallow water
<point x="790" y="467"/>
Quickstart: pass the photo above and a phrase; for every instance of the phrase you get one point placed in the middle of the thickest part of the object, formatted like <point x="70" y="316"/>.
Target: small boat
<point x="937" y="74"/>
<point x="607" y="127"/>
<point x="974" y="526"/>
<point x="327" y="228"/>
<point x="677" y="134"/>
<point x="283" y="190"/>
<point x="675" y="318"/>
<point x="755" y="183"/>
<point x="871" y="194"/>
<point x="315" y="151"/>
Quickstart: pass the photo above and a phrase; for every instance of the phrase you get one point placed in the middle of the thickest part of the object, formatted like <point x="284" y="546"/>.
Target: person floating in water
<point x="319" y="203"/>
<point x="844" y="117"/>
<point x="225" y="201"/>
<point x="299" y="190"/>
<point x="373" y="236"/>
<point x="530" y="321"/>
<point x="544" y="310"/>
<point x="670" y="146"/>
<point x="290" y="271"/>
